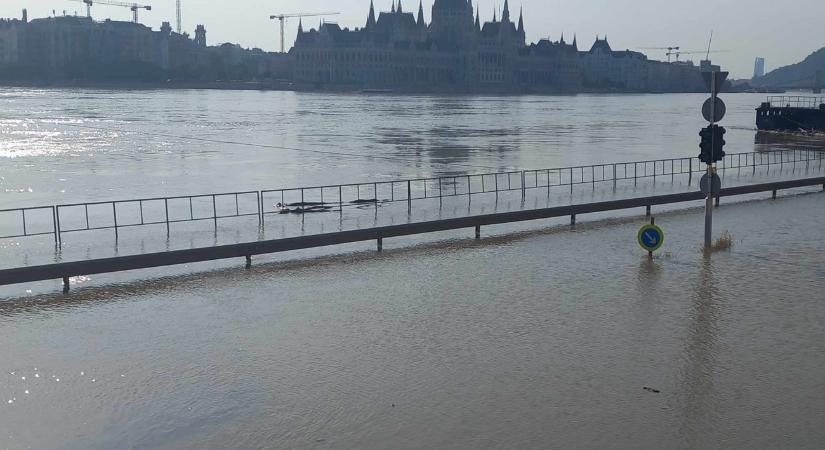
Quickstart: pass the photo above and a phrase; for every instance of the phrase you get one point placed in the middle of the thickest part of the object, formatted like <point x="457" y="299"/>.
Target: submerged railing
<point x="165" y="211"/>
<point x="246" y="250"/>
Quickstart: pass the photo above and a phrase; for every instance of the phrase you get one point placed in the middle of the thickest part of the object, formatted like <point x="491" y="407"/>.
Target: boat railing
<point x="790" y="101"/>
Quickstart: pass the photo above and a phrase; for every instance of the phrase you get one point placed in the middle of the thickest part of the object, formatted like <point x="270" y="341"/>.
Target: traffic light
<point x="712" y="143"/>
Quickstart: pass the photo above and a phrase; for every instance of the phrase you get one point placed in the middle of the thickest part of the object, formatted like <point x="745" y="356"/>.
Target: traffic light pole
<point x="709" y="200"/>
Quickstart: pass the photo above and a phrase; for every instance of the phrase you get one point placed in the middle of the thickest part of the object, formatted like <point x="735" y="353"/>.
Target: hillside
<point x="797" y="75"/>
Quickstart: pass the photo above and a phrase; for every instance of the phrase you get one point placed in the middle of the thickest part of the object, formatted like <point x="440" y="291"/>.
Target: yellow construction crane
<point x="282" y="18"/>
<point x="133" y="6"/>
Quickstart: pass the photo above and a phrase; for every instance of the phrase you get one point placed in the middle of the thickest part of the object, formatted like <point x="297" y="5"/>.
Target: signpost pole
<point x="709" y="199"/>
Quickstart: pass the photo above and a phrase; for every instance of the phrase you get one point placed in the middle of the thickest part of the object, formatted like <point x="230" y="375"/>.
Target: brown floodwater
<point x="538" y="336"/>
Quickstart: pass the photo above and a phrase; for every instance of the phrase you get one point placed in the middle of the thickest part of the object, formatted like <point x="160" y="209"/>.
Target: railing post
<point x="166" y="208"/>
<point x="114" y="214"/>
<point x="57" y="223"/>
<point x="478" y="232"/>
<point x="54" y="226"/>
<point x="572" y="219"/>
<point x="380" y="244"/>
<point x="571" y="180"/>
<point x="340" y="200"/>
<point x="648" y="211"/>
<point x="140" y="204"/>
<point x="259" y="197"/>
<point x="248" y="261"/>
<point x="65" y="285"/>
<point x="215" y="211"/>
<point x="548" y="183"/>
<point x="615" y="177"/>
<point x="690" y="170"/>
<point x="523" y="189"/>
<point x="24" y="222"/>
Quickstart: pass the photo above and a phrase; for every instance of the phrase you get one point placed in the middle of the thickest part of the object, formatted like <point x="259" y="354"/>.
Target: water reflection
<point x="771" y="141"/>
<point x="700" y="358"/>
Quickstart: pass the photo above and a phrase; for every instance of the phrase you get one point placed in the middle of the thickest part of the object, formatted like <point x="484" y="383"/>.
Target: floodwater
<point x="73" y="146"/>
<point x="539" y="336"/>
<point x="542" y="339"/>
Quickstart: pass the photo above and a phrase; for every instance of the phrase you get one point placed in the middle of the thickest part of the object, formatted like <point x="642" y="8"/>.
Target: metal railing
<point x="156" y="211"/>
<point x="790" y="101"/>
<point x="23" y="225"/>
<point x="86" y="267"/>
<point x="337" y="197"/>
<point x="119" y="214"/>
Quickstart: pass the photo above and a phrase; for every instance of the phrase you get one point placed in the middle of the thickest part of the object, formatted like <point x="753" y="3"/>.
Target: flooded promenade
<point x="540" y="335"/>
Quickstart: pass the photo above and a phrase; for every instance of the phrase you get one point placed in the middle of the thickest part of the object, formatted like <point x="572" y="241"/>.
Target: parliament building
<point x="398" y="50"/>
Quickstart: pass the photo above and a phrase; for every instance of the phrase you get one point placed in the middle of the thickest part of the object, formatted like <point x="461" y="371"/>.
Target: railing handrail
<point x="798" y="101"/>
<point x="699" y="167"/>
<point x="30" y="208"/>
<point x="447" y="187"/>
<point x="153" y="199"/>
<point x="65" y="270"/>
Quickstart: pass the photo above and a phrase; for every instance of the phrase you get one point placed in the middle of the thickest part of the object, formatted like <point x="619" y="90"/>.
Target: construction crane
<point x="282" y="18"/>
<point x="703" y="52"/>
<point x="670" y="50"/>
<point x="133" y="6"/>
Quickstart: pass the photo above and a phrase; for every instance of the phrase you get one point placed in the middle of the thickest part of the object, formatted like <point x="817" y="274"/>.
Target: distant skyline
<point x="745" y="28"/>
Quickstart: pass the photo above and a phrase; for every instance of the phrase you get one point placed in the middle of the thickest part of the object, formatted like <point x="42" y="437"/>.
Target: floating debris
<point x="650" y="389"/>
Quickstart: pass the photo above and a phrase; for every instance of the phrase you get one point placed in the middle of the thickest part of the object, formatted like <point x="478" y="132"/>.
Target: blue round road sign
<point x="651" y="238"/>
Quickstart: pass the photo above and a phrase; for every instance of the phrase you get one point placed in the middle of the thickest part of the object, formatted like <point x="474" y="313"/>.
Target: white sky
<point x="783" y="32"/>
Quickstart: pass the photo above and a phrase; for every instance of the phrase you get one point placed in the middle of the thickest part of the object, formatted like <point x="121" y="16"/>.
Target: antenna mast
<point x="710" y="42"/>
<point x="180" y="28"/>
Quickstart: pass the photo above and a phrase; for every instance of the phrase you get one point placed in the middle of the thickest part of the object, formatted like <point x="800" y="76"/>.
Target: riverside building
<point x="455" y="52"/>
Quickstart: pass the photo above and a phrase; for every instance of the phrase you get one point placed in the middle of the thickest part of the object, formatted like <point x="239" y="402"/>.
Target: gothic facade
<point x="398" y="50"/>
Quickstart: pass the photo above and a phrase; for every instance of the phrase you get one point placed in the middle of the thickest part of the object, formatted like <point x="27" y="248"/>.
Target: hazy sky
<point x="783" y="32"/>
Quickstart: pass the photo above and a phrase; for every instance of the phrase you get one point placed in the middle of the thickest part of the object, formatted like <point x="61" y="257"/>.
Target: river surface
<point x="536" y="337"/>
<point x="72" y="146"/>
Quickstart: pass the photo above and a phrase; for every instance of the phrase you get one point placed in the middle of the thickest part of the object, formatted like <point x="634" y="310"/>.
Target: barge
<point x="792" y="114"/>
